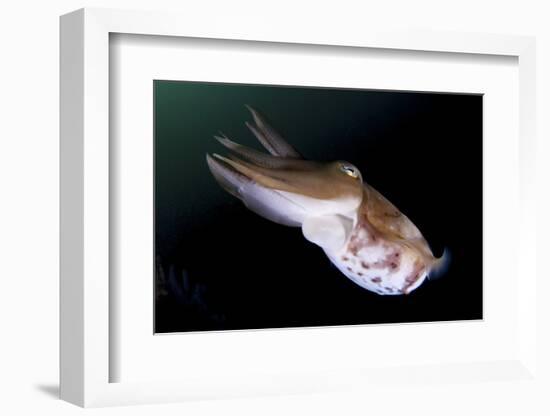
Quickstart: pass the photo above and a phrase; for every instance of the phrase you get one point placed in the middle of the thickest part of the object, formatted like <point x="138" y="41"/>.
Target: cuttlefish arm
<point x="270" y="138"/>
<point x="281" y="186"/>
<point x="358" y="229"/>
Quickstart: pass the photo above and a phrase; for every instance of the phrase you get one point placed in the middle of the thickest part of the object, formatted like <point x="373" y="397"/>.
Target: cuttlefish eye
<point x="349" y="170"/>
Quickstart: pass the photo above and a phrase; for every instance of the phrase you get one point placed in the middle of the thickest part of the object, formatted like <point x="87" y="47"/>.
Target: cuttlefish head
<point x="282" y="186"/>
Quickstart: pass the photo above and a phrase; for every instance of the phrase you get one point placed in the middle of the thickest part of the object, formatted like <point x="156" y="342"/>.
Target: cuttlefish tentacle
<point x="364" y="235"/>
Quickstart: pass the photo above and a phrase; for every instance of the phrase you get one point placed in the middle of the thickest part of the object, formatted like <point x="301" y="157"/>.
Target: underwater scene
<point x="280" y="206"/>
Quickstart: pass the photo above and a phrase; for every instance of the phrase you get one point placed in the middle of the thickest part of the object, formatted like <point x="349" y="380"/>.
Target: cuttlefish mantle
<point x="363" y="234"/>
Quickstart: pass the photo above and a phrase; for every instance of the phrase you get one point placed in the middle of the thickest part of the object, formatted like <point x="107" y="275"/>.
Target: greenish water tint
<point x="219" y="266"/>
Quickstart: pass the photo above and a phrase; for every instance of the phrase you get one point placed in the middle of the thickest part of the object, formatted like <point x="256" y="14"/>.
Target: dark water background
<point x="220" y="266"/>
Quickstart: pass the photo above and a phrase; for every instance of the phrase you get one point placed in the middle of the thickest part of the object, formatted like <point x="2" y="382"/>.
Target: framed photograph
<point x="273" y="213"/>
<point x="325" y="246"/>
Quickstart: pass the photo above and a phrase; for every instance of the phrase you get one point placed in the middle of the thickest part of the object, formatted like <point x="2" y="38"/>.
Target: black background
<point x="220" y="266"/>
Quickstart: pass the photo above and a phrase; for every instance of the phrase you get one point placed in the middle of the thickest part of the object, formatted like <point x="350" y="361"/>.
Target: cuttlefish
<point x="362" y="233"/>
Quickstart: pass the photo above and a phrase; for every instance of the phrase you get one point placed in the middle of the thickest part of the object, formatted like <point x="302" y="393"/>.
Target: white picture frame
<point x="85" y="220"/>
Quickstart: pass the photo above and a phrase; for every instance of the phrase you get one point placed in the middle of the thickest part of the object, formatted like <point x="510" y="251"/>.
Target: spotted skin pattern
<point x="364" y="235"/>
<point x="380" y="261"/>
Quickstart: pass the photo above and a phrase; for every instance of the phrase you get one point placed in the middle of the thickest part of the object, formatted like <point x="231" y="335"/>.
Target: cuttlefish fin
<point x="261" y="200"/>
<point x="440" y="265"/>
<point x="270" y="138"/>
<point x="329" y="232"/>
